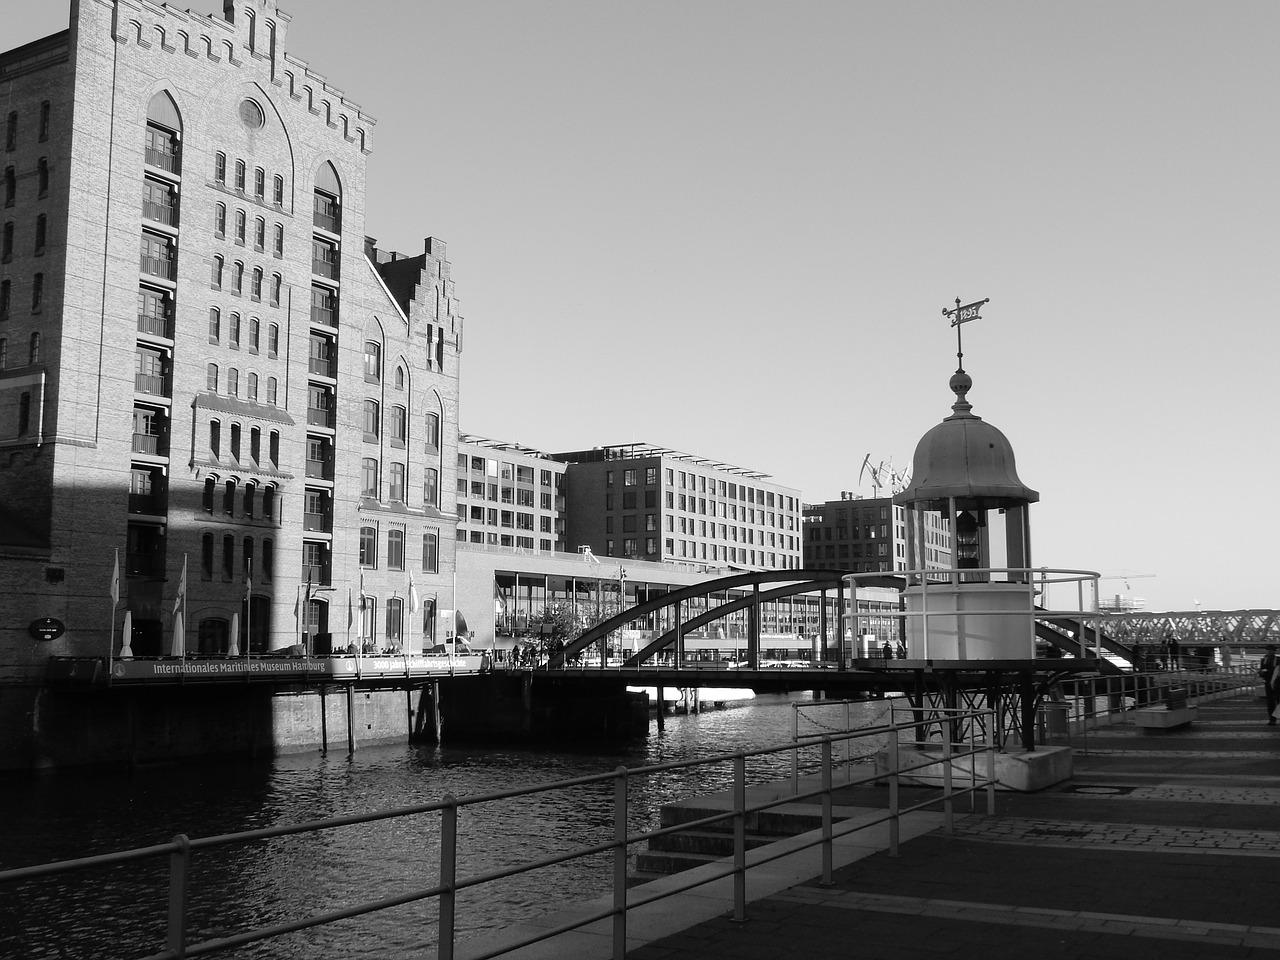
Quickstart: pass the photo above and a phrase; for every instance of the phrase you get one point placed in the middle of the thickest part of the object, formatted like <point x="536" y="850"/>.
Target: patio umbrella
<point x="233" y="648"/>
<point x="126" y="649"/>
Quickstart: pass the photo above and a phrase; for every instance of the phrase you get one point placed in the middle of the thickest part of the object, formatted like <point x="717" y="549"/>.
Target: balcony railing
<point x="320" y="469"/>
<point x="327" y="221"/>
<point x="156" y="267"/>
<point x="164" y="159"/>
<point x="149" y="503"/>
<point x="319" y="418"/>
<point x="325" y="268"/>
<point x="315" y="521"/>
<point x="317" y="574"/>
<point x="144" y="564"/>
<point x="160" y="212"/>
<point x="157" y="384"/>
<point x="322" y="366"/>
<point x="156" y="326"/>
<point x="326" y="316"/>
<point x="148" y="443"/>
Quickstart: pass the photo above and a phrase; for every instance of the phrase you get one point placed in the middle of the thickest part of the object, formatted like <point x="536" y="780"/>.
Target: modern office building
<point x="206" y="370"/>
<point x="867" y="536"/>
<point x="652" y="503"/>
<point x="509" y="497"/>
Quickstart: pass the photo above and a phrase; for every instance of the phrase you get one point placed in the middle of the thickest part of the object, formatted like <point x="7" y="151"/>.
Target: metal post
<point x="991" y="764"/>
<point x="620" y="864"/>
<point x="662" y="720"/>
<point x="740" y="838"/>
<point x="179" y="862"/>
<point x="351" y="717"/>
<point x="948" y="812"/>
<point x="893" y="790"/>
<point x="448" y="875"/>
<point x="826" y="813"/>
<point x="795" y="750"/>
<point x="848" y="742"/>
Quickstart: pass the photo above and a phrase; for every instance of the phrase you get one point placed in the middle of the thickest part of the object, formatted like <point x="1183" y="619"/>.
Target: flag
<point x="182" y="587"/>
<point x="248" y="582"/>
<point x="413" y="595"/>
<point x="350" y="618"/>
<point x="297" y="605"/>
<point x="115" y="579"/>
<point x="362" y="596"/>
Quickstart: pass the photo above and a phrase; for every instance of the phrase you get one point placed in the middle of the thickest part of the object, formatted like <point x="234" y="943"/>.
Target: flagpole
<point x="248" y="609"/>
<point x="184" y="612"/>
<point x="115" y="601"/>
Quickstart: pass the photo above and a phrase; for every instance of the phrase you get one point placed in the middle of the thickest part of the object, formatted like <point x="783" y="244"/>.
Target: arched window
<point x="277" y="244"/>
<point x="277" y="283"/>
<point x="395" y="549"/>
<point x="35" y="348"/>
<point x="10" y="186"/>
<point x="399" y="425"/>
<point x="215" y="324"/>
<point x="254" y="327"/>
<point x="211" y="370"/>
<point x="371" y="419"/>
<point x="272" y="390"/>
<point x="269" y="503"/>
<point x="259" y="233"/>
<point x="233" y="331"/>
<point x="220" y="169"/>
<point x="239" y="183"/>
<point x="255" y="435"/>
<point x="328" y="199"/>
<point x="237" y="277"/>
<point x="277" y="195"/>
<point x="216" y="279"/>
<point x="220" y="220"/>
<point x="206" y="502"/>
<point x="255" y="285"/>
<point x="395" y="489"/>
<point x="399" y="377"/>
<point x="228" y="556"/>
<point x="215" y="439"/>
<point x="259" y="183"/>
<point x="372" y="361"/>
<point x="369" y="477"/>
<point x="432" y="428"/>
<point x="233" y="382"/>
<point x="268" y="549"/>
<point x="251" y="391"/>
<point x="273" y="339"/>
<point x="235" y="441"/>
<point x="42" y="231"/>
<point x="229" y="497"/>
<point x="206" y="556"/>
<point x="431" y="487"/>
<point x="395" y="621"/>
<point x="240" y="221"/>
<point x="42" y="177"/>
<point x="249" y="489"/>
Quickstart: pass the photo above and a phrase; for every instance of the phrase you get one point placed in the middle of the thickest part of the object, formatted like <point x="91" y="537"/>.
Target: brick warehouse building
<point x="203" y="360"/>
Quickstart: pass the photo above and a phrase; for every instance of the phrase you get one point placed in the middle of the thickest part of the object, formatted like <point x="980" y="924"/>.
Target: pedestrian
<point x="902" y="650"/>
<point x="1270" y="675"/>
<point x="1175" y="662"/>
<point x="886" y="651"/>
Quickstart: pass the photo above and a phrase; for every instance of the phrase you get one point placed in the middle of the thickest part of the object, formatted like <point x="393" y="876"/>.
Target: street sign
<point x="47" y="628"/>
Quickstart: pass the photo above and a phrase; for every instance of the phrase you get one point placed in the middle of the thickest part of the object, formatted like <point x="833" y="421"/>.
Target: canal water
<point x="120" y="912"/>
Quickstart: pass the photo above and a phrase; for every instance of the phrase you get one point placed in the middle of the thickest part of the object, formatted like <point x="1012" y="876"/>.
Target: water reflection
<point x="66" y="815"/>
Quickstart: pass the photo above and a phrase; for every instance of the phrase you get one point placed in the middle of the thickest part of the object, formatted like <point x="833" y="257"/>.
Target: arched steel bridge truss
<point x="794" y="583"/>
<point x="1119" y="631"/>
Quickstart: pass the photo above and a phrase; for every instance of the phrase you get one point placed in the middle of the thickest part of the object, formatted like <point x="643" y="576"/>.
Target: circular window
<point x="251" y="115"/>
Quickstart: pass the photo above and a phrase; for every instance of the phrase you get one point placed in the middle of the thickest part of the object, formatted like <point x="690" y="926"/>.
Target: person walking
<point x="1267" y="671"/>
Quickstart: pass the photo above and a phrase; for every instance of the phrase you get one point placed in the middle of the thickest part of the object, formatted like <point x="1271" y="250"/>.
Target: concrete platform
<point x="1016" y="769"/>
<point x="1161" y="718"/>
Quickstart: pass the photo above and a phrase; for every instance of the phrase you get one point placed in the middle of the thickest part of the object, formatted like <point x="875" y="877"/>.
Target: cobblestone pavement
<point x="1129" y="836"/>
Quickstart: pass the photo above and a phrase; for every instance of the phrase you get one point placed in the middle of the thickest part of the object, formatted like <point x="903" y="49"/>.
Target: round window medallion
<point x="251" y="115"/>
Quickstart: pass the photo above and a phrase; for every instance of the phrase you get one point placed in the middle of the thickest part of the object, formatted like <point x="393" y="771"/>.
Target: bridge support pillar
<point x="351" y="719"/>
<point x="662" y="719"/>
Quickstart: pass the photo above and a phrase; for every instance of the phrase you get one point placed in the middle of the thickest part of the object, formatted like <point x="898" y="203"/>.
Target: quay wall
<point x="49" y="726"/>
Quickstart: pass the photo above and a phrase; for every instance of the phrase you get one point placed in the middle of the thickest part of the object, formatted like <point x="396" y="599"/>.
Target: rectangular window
<point x="430" y="551"/>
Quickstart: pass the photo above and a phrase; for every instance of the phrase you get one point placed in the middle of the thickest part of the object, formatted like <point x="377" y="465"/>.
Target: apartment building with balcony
<point x="205" y="364"/>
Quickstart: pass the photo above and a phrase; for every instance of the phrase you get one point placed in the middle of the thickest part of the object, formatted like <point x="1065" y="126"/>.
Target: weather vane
<point x="963" y="313"/>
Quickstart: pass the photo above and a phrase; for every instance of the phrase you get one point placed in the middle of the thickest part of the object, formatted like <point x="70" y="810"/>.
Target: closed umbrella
<point x="126" y="650"/>
<point x="233" y="648"/>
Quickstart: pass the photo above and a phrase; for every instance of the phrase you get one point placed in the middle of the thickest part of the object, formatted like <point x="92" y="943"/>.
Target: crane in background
<point x="884" y="474"/>
<point x="1120" y="603"/>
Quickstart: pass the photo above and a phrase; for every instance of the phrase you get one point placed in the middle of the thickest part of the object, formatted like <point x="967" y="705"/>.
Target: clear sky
<point x="731" y="227"/>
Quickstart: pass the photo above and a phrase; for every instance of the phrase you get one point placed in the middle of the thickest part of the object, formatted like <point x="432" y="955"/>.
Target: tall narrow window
<point x="369" y="477"/>
<point x="259" y="233"/>
<point x="220" y="167"/>
<point x="395" y="549"/>
<point x="233" y="382"/>
<point x="240" y="220"/>
<point x="255" y="284"/>
<point x="35" y="348"/>
<point x="44" y="120"/>
<point x="368" y="546"/>
<point x="273" y="339"/>
<point x="254" y="328"/>
<point x="6" y="243"/>
<point x="240" y="175"/>
<point x="259" y="183"/>
<point x="42" y="229"/>
<point x="432" y="429"/>
<point x="11" y="131"/>
<point x="233" y="332"/>
<point x="277" y="195"/>
<point x="277" y="246"/>
<point x="215" y="325"/>
<point x="371" y="419"/>
<point x="396" y="483"/>
<point x="37" y="292"/>
<point x="271" y="393"/>
<point x="10" y="186"/>
<point x="430" y="551"/>
<point x="372" y="362"/>
<point x="237" y="277"/>
<point x="276" y="283"/>
<point x="251" y="390"/>
<point x="431" y="487"/>
<point x="42" y="177"/>
<point x="215" y="440"/>
<point x="216" y="278"/>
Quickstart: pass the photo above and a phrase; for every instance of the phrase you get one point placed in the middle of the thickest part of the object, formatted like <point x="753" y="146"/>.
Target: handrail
<point x="449" y="883"/>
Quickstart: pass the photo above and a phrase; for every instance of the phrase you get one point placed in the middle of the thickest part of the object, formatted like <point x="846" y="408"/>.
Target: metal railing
<point x="1085" y="703"/>
<point x="160" y="212"/>
<point x="157" y="267"/>
<point x="164" y="159"/>
<point x="155" y="384"/>
<point x="625" y="898"/>
<point x="158" y="326"/>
